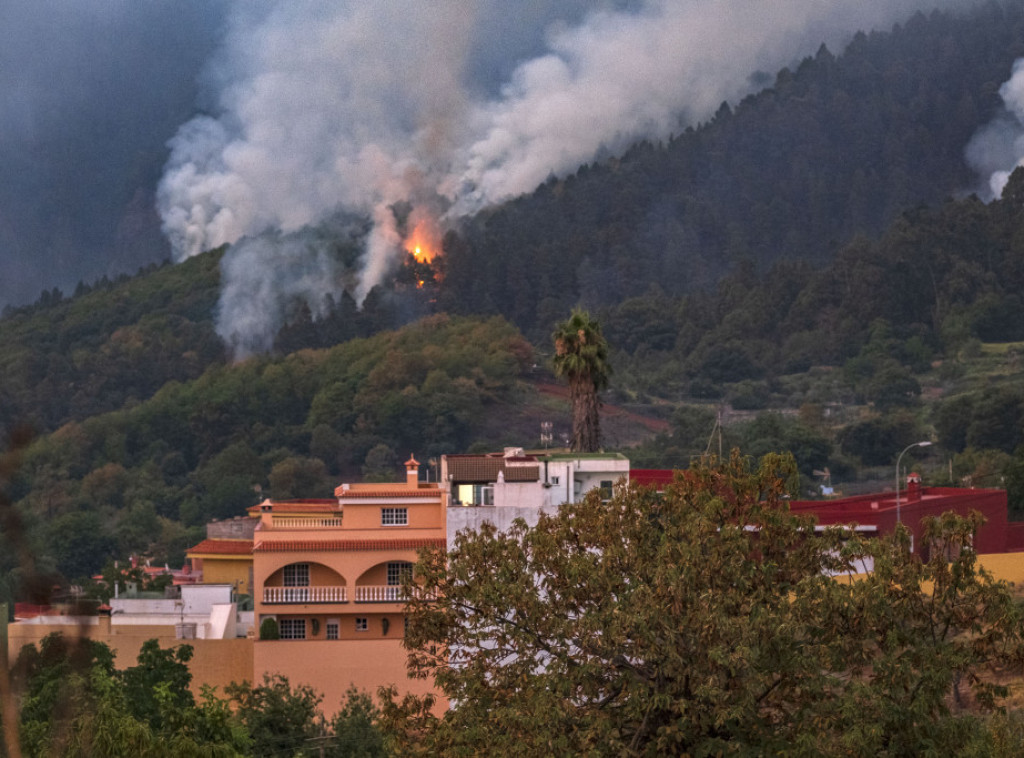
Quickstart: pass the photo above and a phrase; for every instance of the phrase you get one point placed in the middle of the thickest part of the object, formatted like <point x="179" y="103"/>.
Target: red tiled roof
<point x="485" y="469"/>
<point x="345" y="546"/>
<point x="223" y="547"/>
<point x="320" y="505"/>
<point x="648" y="477"/>
<point x="329" y="506"/>
<point x="395" y="493"/>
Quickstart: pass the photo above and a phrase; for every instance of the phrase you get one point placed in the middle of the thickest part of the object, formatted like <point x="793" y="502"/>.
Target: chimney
<point x="266" y="511"/>
<point x="412" y="473"/>
<point x="913" y="487"/>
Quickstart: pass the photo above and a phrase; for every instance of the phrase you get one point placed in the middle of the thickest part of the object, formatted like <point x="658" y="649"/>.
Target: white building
<point x="501" y="487"/>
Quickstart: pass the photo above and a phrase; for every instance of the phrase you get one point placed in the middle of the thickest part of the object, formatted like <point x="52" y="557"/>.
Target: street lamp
<point x="925" y="443"/>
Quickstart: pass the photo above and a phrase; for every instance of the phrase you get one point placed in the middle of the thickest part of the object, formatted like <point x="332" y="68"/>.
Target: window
<point x="483" y="495"/>
<point x="333" y="627"/>
<point x="606" y="489"/>
<point x="296" y="575"/>
<point x="293" y="629"/>
<point x="394" y="516"/>
<point x="554" y="480"/>
<point x="361" y="624"/>
<point x="397" y="571"/>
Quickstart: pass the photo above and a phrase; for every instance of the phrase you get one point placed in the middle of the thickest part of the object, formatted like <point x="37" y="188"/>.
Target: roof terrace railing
<point x="281" y="522"/>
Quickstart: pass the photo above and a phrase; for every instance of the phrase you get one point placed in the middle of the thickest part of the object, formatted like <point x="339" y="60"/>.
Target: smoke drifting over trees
<point x="312" y="108"/>
<point x="998" y="147"/>
<point x="360" y="106"/>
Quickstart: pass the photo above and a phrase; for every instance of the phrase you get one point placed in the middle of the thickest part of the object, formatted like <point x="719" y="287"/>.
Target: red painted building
<point x="879" y="513"/>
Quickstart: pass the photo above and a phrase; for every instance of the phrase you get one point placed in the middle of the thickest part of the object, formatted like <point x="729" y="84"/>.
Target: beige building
<point x="329" y="574"/>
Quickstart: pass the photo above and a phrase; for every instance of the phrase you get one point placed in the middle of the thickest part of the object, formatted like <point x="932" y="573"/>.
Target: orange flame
<point x="424" y="241"/>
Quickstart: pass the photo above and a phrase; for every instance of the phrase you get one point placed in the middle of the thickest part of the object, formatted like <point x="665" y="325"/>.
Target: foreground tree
<point x="581" y="355"/>
<point x="705" y="622"/>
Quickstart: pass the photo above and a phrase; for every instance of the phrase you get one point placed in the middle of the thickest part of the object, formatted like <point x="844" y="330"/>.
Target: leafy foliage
<point x="74" y="703"/>
<point x="707" y="621"/>
<point x="286" y="426"/>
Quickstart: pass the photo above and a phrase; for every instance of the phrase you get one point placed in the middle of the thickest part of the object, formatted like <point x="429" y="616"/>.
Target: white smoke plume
<point x="998" y="147"/>
<point x="264" y="277"/>
<point x="358" y="106"/>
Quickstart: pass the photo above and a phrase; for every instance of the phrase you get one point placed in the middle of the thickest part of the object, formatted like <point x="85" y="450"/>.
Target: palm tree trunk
<point x="586" y="419"/>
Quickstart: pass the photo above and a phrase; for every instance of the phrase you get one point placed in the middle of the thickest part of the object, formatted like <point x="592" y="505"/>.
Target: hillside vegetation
<point x="835" y="147"/>
<point x="764" y="265"/>
<point x="140" y="478"/>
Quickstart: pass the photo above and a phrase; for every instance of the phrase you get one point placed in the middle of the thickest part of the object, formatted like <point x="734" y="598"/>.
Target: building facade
<point x="328" y="582"/>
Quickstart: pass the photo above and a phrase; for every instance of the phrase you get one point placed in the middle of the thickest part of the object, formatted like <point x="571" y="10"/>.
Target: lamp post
<point x="899" y="458"/>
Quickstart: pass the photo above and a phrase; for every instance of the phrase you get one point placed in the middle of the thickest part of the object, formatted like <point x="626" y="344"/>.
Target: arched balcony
<point x="383" y="583"/>
<point x="304" y="583"/>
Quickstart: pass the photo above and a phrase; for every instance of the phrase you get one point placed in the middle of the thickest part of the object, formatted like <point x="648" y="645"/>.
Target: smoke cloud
<point x="264" y="277"/>
<point x="998" y="147"/>
<point x="452" y="106"/>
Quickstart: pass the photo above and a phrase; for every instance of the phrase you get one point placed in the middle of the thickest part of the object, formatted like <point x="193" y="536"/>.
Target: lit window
<point x="398" y="570"/>
<point x="292" y="629"/>
<point x="483" y="495"/>
<point x="361" y="624"/>
<point x="394" y="516"/>
<point x="333" y="628"/>
<point x="296" y="575"/>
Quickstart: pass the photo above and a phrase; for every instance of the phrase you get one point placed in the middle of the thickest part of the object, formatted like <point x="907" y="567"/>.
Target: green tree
<point x="703" y="622"/>
<point x="280" y="720"/>
<point x="155" y="667"/>
<point x="581" y="355"/>
<point x="355" y="733"/>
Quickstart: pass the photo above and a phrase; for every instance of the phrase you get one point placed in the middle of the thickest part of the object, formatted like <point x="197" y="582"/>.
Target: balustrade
<point x="305" y="594"/>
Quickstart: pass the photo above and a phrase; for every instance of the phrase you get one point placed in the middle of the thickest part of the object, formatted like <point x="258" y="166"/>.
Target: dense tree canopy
<point x="708" y="621"/>
<point x="75" y="704"/>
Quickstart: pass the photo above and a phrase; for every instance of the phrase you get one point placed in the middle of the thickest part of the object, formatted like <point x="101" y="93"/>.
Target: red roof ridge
<point x="226" y="546"/>
<point x="339" y="546"/>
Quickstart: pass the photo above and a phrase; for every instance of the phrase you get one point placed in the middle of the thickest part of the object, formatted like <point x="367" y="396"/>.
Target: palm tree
<point x="581" y="355"/>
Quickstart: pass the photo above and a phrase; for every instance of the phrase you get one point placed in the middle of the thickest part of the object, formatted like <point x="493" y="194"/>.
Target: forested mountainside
<point x="891" y="343"/>
<point x="916" y="335"/>
<point x="934" y="281"/>
<point x="837" y="146"/>
<point x="760" y="262"/>
<point x="138" y="478"/>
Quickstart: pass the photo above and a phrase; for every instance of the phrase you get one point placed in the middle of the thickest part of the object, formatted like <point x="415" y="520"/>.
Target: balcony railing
<point x="305" y="594"/>
<point x="306" y="523"/>
<point x="380" y="594"/>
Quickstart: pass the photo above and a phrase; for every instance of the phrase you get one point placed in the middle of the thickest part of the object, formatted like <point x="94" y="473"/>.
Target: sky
<point x="130" y="132"/>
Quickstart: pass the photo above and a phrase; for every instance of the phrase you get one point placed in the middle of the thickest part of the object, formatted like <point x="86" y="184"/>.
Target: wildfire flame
<point x="424" y="241"/>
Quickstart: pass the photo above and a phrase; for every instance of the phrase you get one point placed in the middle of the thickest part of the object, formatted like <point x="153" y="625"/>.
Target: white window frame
<point x="362" y="624"/>
<point x="292" y="629"/>
<point x="297" y="576"/>
<point x="394" y="516"/>
<point x="396" y="571"/>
